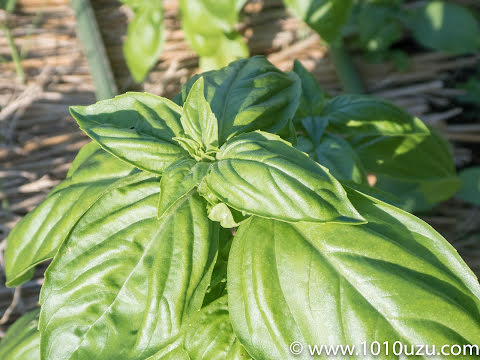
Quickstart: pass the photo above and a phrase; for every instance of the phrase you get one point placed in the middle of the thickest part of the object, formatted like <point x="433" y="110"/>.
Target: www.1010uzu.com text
<point x="377" y="348"/>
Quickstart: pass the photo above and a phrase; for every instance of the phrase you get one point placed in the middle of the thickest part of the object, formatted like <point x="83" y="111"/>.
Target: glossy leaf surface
<point x="392" y="279"/>
<point x="38" y="235"/>
<point x="249" y="95"/>
<point x="261" y="174"/>
<point x="22" y="340"/>
<point x="124" y="281"/>
<point x="137" y="128"/>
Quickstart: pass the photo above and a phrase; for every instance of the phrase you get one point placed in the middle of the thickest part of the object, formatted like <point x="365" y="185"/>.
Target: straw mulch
<point x="38" y="139"/>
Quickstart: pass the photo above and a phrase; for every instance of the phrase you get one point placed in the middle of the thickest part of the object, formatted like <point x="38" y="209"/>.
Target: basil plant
<point x="198" y="229"/>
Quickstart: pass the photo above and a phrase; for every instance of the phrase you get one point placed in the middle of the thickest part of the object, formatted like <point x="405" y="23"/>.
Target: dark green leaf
<point x="338" y="156"/>
<point x="124" y="281"/>
<point x="249" y="95"/>
<point x="311" y="104"/>
<point x="259" y="173"/>
<point x="8" y="5"/>
<point x="137" y="128"/>
<point x="207" y="336"/>
<point x="445" y="26"/>
<point x="145" y="38"/>
<point x="22" y="340"/>
<point x="366" y="115"/>
<point x="470" y="189"/>
<point x="178" y="181"/>
<point x="392" y="279"/>
<point x="326" y="17"/>
<point x="38" y="235"/>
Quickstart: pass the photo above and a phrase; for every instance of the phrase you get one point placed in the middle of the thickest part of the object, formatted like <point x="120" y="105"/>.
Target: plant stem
<point x="17" y="60"/>
<point x="346" y="70"/>
<point x="94" y="49"/>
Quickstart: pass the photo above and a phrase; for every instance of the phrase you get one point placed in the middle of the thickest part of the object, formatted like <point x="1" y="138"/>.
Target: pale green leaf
<point x="366" y="115"/>
<point x="124" y="281"/>
<point x="249" y="95"/>
<point x="259" y="173"/>
<point x="326" y="17"/>
<point x="178" y="181"/>
<point x="137" y="128"/>
<point x="198" y="121"/>
<point x="145" y="37"/>
<point x="22" y="340"/>
<point x="39" y="234"/>
<point x="392" y="279"/>
<point x="445" y="26"/>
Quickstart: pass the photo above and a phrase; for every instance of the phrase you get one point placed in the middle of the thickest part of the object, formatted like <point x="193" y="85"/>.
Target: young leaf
<point x="124" y="281"/>
<point x="445" y="26"/>
<point x="145" y="38"/>
<point x="199" y="122"/>
<point x="326" y="17"/>
<point x="366" y="115"/>
<point x="470" y="189"/>
<point x="178" y="181"/>
<point x="338" y="156"/>
<point x="208" y="335"/>
<point x="392" y="279"/>
<point x="136" y="128"/>
<point x="249" y="95"/>
<point x="311" y="104"/>
<point x="40" y="233"/>
<point x="22" y="340"/>
<point x="259" y="173"/>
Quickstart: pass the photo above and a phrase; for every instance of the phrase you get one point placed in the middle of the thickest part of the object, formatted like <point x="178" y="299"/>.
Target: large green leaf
<point x="326" y="17"/>
<point x="338" y="156"/>
<point x="425" y="160"/>
<point x="135" y="127"/>
<point x="249" y="95"/>
<point x="311" y="104"/>
<point x="470" y="189"/>
<point x="366" y="115"/>
<point x="145" y="37"/>
<point x="22" y="340"/>
<point x="259" y="173"/>
<point x="124" y="281"/>
<point x="392" y="279"/>
<point x="39" y="234"/>
<point x="445" y="26"/>
<point x="208" y="335"/>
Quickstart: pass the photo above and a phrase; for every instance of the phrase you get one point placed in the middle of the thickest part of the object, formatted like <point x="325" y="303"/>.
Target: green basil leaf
<point x="249" y="95"/>
<point x="40" y="233"/>
<point x="392" y="279"/>
<point x="366" y="115"/>
<point x="137" y="128"/>
<point x="209" y="28"/>
<point x="145" y="37"/>
<point x="425" y="160"/>
<point x="326" y="17"/>
<point x="22" y="340"/>
<point x="199" y="122"/>
<point x="445" y="26"/>
<point x="338" y="156"/>
<point x="470" y="189"/>
<point x="207" y="336"/>
<point x="124" y="281"/>
<point x="259" y="173"/>
<point x="311" y="104"/>
<point x="178" y="181"/>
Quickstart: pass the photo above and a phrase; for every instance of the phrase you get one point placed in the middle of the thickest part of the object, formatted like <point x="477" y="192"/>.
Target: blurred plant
<point x="470" y="189"/>
<point x="209" y="28"/>
<point x="8" y="6"/>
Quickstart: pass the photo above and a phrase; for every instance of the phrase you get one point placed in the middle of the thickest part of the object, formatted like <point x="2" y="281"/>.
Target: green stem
<point x="17" y="60"/>
<point x="94" y="49"/>
<point x="346" y="70"/>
